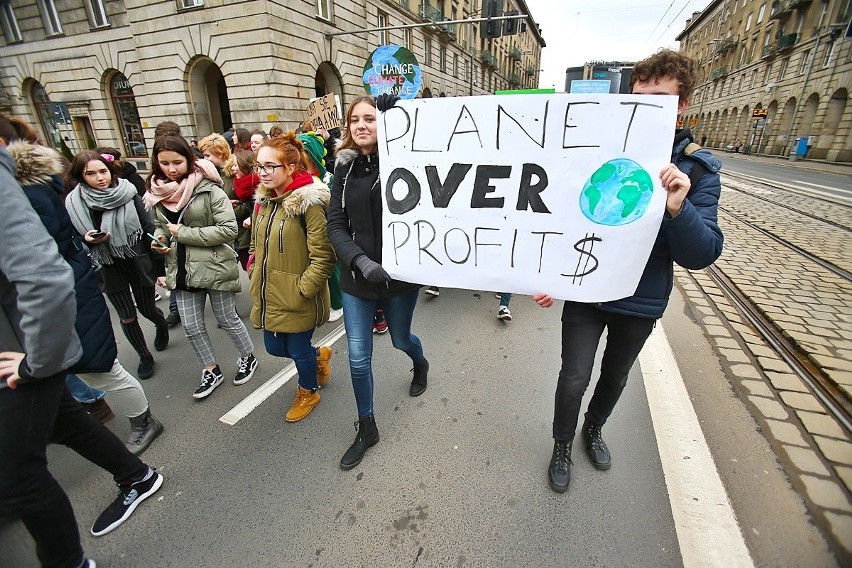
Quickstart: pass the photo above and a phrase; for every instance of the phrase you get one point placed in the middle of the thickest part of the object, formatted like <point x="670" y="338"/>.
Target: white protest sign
<point x="554" y="193"/>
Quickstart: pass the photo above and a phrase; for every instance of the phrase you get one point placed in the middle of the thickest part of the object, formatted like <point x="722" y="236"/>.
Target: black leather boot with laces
<point x="559" y="472"/>
<point x="595" y="446"/>
<point x="368" y="436"/>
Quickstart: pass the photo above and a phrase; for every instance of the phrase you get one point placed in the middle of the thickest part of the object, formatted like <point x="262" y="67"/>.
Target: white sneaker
<point x="504" y="314"/>
<point x="335" y="315"/>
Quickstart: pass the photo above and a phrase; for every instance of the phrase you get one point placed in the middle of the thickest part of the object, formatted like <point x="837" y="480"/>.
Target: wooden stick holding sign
<point x="323" y="112"/>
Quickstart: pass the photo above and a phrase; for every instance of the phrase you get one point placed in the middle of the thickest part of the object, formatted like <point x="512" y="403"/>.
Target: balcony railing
<point x="514" y="79"/>
<point x="719" y="72"/>
<point x="724" y="45"/>
<point x="530" y="70"/>
<point x="405" y="4"/>
<point x="448" y="30"/>
<point x="489" y="59"/>
<point x="779" y="8"/>
<point x="515" y="53"/>
<point x="768" y="51"/>
<point x="787" y="42"/>
<point x="431" y="13"/>
<point x="798" y="4"/>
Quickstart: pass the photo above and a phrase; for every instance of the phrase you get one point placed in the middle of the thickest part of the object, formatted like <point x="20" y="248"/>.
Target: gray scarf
<point x="120" y="218"/>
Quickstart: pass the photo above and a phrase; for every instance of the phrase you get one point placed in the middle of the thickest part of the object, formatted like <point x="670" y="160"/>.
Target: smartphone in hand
<point x="97" y="234"/>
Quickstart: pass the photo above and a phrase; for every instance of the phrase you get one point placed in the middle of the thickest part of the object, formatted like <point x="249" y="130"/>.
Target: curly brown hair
<point x="667" y="63"/>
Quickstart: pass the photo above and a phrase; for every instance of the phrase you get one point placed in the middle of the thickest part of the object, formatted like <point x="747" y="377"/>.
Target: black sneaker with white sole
<point x="210" y="379"/>
<point x="246" y="366"/>
<point x="129" y="497"/>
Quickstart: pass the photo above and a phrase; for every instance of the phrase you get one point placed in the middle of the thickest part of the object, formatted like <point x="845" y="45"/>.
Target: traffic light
<point x="492" y="28"/>
<point x="510" y="27"/>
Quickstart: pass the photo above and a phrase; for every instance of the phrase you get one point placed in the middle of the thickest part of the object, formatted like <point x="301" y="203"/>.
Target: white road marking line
<point x="707" y="529"/>
<point x="815" y="184"/>
<point x="267" y="389"/>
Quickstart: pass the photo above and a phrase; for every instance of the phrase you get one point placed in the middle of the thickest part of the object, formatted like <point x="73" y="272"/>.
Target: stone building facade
<point x="106" y="72"/>
<point x="788" y="59"/>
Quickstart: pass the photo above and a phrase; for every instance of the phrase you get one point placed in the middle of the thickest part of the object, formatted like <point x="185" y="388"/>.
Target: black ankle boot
<point x="595" y="446"/>
<point x="418" y="383"/>
<point x="368" y="436"/>
<point x="559" y="472"/>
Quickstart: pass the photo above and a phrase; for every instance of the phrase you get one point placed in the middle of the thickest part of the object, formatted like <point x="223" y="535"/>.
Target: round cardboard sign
<point x="392" y="69"/>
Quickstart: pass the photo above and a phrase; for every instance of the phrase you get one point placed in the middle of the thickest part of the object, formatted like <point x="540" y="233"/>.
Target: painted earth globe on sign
<point x="618" y="193"/>
<point x="393" y="70"/>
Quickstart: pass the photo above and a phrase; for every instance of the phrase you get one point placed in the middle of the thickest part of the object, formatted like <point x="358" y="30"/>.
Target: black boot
<point x="559" y="472"/>
<point x="368" y="436"/>
<point x="418" y="383"/>
<point x="595" y="446"/>
<point x="143" y="429"/>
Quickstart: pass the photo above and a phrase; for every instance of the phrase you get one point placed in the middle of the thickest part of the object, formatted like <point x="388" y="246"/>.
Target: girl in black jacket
<point x="110" y="216"/>
<point x="355" y="231"/>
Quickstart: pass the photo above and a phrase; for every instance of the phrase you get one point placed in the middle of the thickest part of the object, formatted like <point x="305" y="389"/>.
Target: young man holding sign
<point x="689" y="235"/>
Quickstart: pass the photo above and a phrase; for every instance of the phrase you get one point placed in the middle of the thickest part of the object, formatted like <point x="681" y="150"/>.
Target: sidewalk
<point x="842" y="168"/>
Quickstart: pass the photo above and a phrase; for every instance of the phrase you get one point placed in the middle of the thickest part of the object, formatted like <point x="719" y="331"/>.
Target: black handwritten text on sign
<point x="525" y="193"/>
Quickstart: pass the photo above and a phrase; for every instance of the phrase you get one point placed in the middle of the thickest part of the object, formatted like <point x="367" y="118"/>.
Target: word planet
<point x="392" y="70"/>
<point x="618" y="193"/>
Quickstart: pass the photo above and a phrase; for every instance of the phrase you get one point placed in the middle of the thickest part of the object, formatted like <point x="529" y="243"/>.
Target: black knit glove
<point x="385" y="102"/>
<point x="371" y="270"/>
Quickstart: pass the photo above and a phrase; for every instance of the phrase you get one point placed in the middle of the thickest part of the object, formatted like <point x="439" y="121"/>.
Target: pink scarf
<point x="175" y="195"/>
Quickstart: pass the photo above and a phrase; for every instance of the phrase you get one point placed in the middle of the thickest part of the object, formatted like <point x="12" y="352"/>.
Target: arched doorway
<point x="208" y="95"/>
<point x="327" y="80"/>
<point x="838" y="146"/>
<point x="782" y="130"/>
<point x="807" y="126"/>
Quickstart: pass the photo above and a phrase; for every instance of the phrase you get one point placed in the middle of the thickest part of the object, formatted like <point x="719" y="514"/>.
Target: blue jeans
<point x="296" y="346"/>
<point x="81" y="391"/>
<point x="358" y="320"/>
<point x="582" y="327"/>
<point x="505" y="298"/>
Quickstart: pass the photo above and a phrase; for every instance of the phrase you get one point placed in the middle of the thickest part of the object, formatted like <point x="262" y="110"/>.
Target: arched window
<point x="127" y="116"/>
<point x="41" y="102"/>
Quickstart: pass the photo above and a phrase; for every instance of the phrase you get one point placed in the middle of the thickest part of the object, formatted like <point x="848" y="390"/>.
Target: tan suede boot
<point x="304" y="401"/>
<point x="324" y="364"/>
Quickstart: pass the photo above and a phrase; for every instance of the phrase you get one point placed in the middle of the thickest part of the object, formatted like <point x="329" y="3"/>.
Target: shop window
<point x="127" y="116"/>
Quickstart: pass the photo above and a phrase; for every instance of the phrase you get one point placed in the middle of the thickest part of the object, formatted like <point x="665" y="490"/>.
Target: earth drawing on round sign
<point x="393" y="70"/>
<point x="618" y="193"/>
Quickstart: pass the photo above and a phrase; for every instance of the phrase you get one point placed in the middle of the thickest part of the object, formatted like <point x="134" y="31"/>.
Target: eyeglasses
<point x="268" y="169"/>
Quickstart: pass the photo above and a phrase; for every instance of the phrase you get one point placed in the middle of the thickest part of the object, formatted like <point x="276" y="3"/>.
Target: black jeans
<point x="582" y="327"/>
<point x="32" y="416"/>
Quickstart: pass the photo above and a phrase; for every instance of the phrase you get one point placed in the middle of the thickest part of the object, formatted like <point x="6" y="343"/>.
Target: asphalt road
<point x="459" y="476"/>
<point x="791" y="173"/>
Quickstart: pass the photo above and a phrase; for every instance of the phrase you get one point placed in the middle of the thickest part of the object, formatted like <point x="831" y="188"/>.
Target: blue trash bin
<point x="801" y="146"/>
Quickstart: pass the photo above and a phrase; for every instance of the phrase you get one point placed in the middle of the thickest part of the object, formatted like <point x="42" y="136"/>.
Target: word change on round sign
<point x="393" y="70"/>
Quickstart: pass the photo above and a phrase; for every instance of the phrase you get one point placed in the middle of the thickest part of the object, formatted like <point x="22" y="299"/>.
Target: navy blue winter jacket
<point x="692" y="239"/>
<point x="37" y="172"/>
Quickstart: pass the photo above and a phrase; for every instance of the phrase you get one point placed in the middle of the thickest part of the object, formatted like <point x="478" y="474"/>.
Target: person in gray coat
<point x="37" y="344"/>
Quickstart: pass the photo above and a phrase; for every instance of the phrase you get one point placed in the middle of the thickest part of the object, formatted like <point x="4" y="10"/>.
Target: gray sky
<point x="577" y="32"/>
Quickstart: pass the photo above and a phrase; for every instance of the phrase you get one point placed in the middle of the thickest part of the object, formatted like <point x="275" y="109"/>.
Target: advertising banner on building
<point x="526" y="193"/>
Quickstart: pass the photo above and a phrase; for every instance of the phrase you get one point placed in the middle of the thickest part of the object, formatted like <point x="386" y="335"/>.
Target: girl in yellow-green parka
<point x="291" y="259"/>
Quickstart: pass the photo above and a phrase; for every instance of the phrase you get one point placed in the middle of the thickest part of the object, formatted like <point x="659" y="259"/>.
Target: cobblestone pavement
<point x="812" y="306"/>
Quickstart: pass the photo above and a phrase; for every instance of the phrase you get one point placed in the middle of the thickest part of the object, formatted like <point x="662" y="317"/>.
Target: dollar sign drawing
<point x="584" y="246"/>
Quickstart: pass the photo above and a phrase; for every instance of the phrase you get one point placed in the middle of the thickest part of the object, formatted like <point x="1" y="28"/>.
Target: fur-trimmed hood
<point x="298" y="201"/>
<point x="345" y="157"/>
<point x="35" y="164"/>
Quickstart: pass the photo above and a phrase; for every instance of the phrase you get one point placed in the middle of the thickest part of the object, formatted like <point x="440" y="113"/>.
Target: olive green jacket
<point x="289" y="275"/>
<point x="208" y="228"/>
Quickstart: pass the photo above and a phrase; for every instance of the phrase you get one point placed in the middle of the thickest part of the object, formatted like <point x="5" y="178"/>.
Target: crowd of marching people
<point x="301" y="213"/>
